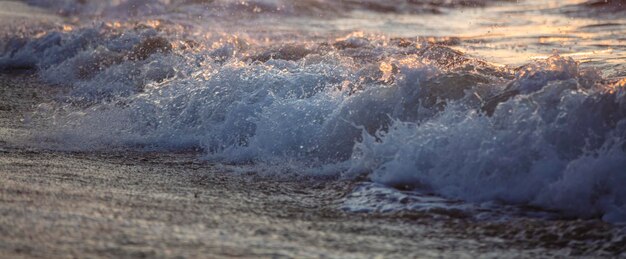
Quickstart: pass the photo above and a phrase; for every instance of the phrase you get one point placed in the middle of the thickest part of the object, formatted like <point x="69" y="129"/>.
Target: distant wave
<point x="597" y="9"/>
<point x="123" y="8"/>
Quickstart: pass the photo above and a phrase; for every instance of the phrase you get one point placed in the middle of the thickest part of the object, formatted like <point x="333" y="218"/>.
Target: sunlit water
<point x="485" y="107"/>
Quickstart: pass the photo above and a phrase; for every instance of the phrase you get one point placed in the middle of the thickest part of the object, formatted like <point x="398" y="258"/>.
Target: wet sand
<point x="128" y="204"/>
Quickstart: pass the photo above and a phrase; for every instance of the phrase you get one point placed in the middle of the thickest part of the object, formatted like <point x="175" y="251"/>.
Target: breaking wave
<point x="401" y="112"/>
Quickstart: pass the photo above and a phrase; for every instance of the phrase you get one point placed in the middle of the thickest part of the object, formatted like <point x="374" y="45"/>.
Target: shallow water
<point x="483" y="103"/>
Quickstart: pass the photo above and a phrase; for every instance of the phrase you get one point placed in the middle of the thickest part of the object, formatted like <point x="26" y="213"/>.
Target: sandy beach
<point x="115" y="204"/>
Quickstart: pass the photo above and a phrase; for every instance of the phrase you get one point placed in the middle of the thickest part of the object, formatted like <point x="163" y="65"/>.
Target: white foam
<point x="362" y="107"/>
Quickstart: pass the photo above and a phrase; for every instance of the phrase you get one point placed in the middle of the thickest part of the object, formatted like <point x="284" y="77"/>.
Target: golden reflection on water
<point x="618" y="86"/>
<point x="507" y="33"/>
<point x="67" y="28"/>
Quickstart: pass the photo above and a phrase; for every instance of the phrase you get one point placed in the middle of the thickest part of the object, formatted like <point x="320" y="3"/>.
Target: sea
<point x="490" y="109"/>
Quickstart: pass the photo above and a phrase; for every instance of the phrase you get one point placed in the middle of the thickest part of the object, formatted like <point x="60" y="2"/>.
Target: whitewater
<point x="428" y="102"/>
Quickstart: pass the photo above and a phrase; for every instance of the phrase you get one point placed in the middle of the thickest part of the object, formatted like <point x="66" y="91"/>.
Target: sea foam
<point x="399" y="112"/>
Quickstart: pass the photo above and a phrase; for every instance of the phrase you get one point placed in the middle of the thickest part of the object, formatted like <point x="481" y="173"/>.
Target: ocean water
<point x="482" y="107"/>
